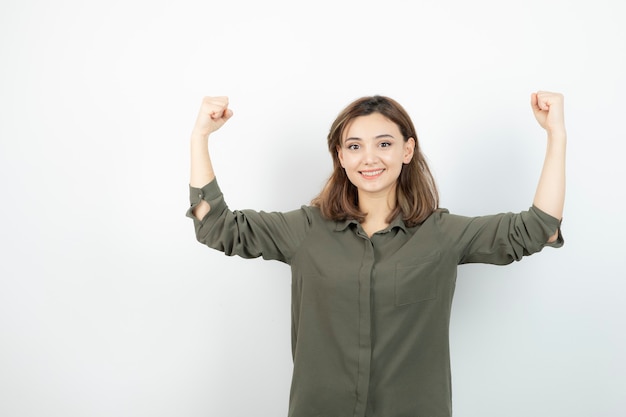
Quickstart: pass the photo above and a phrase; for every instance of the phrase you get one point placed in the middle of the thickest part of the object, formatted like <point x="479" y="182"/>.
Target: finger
<point x="543" y="100"/>
<point x="221" y="114"/>
<point x="216" y="109"/>
<point x="220" y="102"/>
<point x="534" y="102"/>
<point x="215" y="100"/>
<point x="212" y="104"/>
<point x="549" y="98"/>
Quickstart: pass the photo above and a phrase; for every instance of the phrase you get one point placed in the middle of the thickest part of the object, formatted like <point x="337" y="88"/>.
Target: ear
<point x="409" y="150"/>
<point x="340" y="155"/>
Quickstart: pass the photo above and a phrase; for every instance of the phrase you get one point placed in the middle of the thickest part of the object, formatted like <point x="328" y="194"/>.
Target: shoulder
<point x="315" y="216"/>
<point x="439" y="215"/>
<point x="448" y="223"/>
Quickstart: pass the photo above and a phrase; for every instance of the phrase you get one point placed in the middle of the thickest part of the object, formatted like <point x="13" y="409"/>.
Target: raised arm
<point x="214" y="112"/>
<point x="550" y="194"/>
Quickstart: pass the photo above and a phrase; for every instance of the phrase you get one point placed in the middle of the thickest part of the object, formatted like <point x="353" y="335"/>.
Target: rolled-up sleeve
<point x="247" y="233"/>
<point x="502" y="238"/>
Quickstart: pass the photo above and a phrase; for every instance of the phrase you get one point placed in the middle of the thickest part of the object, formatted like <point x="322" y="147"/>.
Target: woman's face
<point x="372" y="153"/>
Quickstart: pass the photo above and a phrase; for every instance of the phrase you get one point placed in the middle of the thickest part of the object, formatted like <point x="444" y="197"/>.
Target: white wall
<point x="108" y="305"/>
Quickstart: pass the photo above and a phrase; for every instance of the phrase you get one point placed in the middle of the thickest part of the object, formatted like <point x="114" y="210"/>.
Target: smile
<point x="372" y="174"/>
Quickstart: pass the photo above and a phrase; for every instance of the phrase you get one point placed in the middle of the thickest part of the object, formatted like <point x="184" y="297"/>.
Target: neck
<point x="378" y="209"/>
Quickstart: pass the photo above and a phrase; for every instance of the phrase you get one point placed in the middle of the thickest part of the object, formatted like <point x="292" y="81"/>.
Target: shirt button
<point x="200" y="196"/>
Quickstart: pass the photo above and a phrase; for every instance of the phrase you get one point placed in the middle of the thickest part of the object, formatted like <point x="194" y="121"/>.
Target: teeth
<point x="371" y="173"/>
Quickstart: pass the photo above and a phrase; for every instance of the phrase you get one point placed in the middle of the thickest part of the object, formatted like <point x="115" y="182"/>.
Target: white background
<point x="108" y="305"/>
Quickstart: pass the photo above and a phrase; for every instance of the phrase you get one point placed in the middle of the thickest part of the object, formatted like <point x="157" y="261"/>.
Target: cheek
<point x="347" y="160"/>
<point x="394" y="160"/>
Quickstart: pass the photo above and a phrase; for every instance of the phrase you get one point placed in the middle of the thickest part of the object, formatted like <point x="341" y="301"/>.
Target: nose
<point x="370" y="156"/>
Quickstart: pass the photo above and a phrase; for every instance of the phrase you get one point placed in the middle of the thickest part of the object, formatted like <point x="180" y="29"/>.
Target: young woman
<point x="374" y="259"/>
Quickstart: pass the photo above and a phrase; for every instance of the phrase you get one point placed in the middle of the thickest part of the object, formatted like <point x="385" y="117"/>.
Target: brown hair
<point x="416" y="191"/>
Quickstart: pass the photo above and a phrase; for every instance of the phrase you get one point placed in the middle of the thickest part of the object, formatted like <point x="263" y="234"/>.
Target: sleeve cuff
<point x="209" y="193"/>
<point x="553" y="225"/>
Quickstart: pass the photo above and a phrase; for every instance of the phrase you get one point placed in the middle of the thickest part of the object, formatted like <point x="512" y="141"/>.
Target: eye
<point x="353" y="146"/>
<point x="385" y="144"/>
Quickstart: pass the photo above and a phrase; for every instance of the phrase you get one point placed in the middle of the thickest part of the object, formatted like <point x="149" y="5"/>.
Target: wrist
<point x="557" y="135"/>
<point x="197" y="135"/>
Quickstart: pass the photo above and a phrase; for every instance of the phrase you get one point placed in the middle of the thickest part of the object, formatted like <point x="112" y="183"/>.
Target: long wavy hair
<point x="416" y="192"/>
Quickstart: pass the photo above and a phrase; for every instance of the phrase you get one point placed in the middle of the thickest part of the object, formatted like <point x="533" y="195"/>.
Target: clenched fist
<point x="548" y="109"/>
<point x="214" y="112"/>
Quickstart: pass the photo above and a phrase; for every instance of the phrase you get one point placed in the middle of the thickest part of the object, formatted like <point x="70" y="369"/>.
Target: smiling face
<point x="372" y="153"/>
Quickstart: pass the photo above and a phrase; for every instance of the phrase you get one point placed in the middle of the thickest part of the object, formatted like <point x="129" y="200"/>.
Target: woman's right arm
<point x="214" y="112"/>
<point x="245" y="233"/>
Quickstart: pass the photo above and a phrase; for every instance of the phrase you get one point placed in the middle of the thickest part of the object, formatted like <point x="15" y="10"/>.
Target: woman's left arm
<point x="550" y="194"/>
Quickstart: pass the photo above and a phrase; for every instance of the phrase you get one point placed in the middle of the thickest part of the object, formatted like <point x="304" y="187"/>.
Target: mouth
<point x="372" y="174"/>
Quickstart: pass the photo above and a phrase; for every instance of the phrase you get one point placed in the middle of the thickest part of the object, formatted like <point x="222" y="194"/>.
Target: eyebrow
<point x="383" y="136"/>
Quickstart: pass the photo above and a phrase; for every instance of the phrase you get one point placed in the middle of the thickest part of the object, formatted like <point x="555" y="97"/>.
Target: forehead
<point x="370" y="126"/>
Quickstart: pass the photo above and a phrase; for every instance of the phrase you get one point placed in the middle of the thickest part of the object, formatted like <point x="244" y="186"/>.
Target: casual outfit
<point x="370" y="315"/>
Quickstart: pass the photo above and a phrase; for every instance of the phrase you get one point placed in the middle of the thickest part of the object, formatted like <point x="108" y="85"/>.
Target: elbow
<point x="201" y="210"/>
<point x="554" y="237"/>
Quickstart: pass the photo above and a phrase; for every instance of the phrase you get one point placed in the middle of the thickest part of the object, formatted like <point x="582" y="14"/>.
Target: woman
<point x="374" y="258"/>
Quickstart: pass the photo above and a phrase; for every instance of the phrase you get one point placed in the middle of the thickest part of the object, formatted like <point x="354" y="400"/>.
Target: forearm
<point x="201" y="169"/>
<point x="214" y="112"/>
<point x="550" y="194"/>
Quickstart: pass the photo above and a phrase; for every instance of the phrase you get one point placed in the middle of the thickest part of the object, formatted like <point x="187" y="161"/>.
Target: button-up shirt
<point x="370" y="315"/>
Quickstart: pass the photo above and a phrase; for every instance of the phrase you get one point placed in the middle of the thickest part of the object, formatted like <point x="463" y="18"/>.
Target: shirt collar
<point x="396" y="222"/>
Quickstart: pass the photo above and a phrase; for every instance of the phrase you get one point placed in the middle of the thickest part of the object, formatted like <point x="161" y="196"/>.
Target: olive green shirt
<point x="370" y="315"/>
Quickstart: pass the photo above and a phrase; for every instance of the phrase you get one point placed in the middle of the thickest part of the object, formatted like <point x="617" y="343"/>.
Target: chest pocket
<point x="417" y="282"/>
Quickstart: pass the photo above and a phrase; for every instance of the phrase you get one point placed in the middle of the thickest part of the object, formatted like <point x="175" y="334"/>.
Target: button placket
<point x="365" y="326"/>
